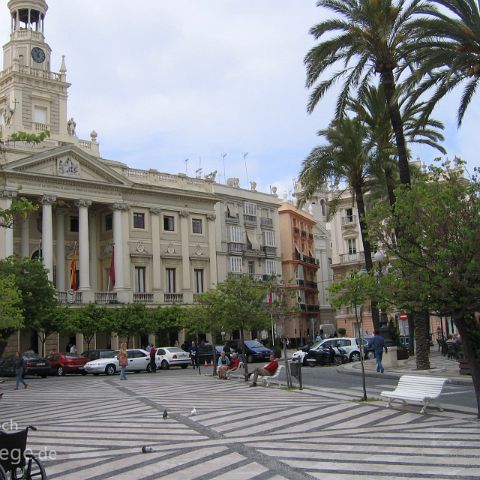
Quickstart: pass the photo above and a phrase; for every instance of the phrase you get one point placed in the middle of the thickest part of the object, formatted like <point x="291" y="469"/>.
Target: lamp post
<point x="379" y="258"/>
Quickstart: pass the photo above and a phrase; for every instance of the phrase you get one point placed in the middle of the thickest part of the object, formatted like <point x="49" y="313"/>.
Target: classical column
<point x="156" y="253"/>
<point x="184" y="230"/>
<point x="118" y="241"/>
<point x="25" y="249"/>
<point x="47" y="234"/>
<point x="6" y="231"/>
<point x="212" y="249"/>
<point x="93" y="251"/>
<point x="60" y="250"/>
<point x="83" y="244"/>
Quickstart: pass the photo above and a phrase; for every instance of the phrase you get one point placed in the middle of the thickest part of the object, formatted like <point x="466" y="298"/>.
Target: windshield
<point x="253" y="344"/>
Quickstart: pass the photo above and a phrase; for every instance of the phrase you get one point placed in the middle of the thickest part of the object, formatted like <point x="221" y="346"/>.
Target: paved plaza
<point x="97" y="426"/>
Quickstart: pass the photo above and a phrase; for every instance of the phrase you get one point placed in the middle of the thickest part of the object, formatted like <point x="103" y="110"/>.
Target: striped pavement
<point x="95" y="428"/>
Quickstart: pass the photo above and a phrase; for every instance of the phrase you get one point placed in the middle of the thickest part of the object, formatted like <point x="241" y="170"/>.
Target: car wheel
<point x="355" y="356"/>
<point x="164" y="365"/>
<point x="96" y="374"/>
<point x="184" y="366"/>
<point x="110" y="369"/>
<point x="60" y="371"/>
<point x="43" y="376"/>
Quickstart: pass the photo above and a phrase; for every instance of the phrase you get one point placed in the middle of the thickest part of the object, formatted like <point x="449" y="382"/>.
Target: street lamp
<point x="379" y="258"/>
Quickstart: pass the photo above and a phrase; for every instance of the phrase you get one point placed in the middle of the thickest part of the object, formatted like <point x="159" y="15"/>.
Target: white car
<point x="350" y="345"/>
<point x="138" y="360"/>
<point x="167" y="357"/>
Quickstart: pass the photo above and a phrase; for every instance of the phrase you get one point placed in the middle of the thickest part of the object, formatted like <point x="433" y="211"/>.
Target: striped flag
<point x="73" y="269"/>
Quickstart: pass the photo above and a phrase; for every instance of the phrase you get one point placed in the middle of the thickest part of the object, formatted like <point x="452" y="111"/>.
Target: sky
<point x="163" y="81"/>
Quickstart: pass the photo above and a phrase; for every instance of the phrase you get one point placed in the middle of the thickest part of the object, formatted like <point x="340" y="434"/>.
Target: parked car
<point x="205" y="353"/>
<point x="167" y="357"/>
<point x="34" y="365"/>
<point x="62" y="363"/>
<point x="349" y="345"/>
<point x="319" y="354"/>
<point x="97" y="353"/>
<point x="255" y="351"/>
<point x="138" y="360"/>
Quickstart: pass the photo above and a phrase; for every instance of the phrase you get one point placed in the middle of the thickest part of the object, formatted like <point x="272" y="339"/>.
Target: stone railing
<point x="352" y="257"/>
<point x="103" y="298"/>
<point x="266" y="222"/>
<point x="142" y="297"/>
<point x="70" y="297"/>
<point x="171" y="298"/>
<point x="40" y="127"/>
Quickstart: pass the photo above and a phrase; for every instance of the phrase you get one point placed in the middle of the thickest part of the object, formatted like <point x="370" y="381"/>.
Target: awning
<point x="252" y="238"/>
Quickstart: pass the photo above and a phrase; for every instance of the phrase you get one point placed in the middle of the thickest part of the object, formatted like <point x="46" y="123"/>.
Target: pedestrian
<point x="222" y="365"/>
<point x="153" y="353"/>
<point x="122" y="358"/>
<point x="377" y="343"/>
<point x="194" y="353"/>
<point x="19" y="370"/>
<point x="266" y="371"/>
<point x="73" y="349"/>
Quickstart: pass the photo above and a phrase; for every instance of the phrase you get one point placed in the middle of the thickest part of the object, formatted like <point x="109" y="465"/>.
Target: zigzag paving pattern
<point x="96" y="426"/>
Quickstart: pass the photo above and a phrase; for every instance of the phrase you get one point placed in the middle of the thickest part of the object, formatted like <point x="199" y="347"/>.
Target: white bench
<point x="417" y="389"/>
<point x="268" y="378"/>
<point x="238" y="373"/>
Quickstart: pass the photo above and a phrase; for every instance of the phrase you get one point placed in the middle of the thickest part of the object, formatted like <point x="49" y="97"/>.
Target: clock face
<point x="38" y="55"/>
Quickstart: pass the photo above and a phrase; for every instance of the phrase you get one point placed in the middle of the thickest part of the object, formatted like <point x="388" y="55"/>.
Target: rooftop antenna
<point x="223" y="160"/>
<point x="186" y="166"/>
<point x="245" y="162"/>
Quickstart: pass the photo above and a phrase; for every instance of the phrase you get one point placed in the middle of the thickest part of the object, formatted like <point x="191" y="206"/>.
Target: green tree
<point x="88" y="320"/>
<point x="450" y="52"/>
<point x="166" y="321"/>
<point x="11" y="309"/>
<point x="130" y="320"/>
<point x="20" y="206"/>
<point x="40" y="306"/>
<point x="436" y="264"/>
<point x="366" y="37"/>
<point x="346" y="157"/>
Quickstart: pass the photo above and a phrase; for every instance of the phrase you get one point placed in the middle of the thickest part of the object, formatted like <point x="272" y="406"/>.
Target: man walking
<point x="378" y="345"/>
<point x="19" y="370"/>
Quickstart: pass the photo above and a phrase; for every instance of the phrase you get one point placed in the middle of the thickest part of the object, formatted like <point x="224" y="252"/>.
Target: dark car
<point x="34" y="365"/>
<point x="205" y="353"/>
<point x="62" y="363"/>
<point x="325" y="356"/>
<point x="254" y="350"/>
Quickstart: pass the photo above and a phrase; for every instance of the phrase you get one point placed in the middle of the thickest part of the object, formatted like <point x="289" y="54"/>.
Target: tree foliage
<point x="20" y="206"/>
<point x="132" y="319"/>
<point x="11" y="309"/>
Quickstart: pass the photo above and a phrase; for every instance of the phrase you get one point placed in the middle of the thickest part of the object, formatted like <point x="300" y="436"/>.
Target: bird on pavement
<point x="165" y="414"/>
<point x="193" y="412"/>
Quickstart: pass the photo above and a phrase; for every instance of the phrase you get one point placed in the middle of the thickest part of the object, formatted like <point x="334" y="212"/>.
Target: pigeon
<point x="193" y="412"/>
<point x="165" y="414"/>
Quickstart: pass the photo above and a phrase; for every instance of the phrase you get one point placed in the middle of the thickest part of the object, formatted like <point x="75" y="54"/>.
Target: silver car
<point x="167" y="357"/>
<point x="138" y="361"/>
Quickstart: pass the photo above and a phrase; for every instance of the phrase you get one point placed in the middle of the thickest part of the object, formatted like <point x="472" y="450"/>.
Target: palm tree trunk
<point x="390" y="183"/>
<point x="367" y="249"/>
<point x="388" y="83"/>
<point x="421" y="335"/>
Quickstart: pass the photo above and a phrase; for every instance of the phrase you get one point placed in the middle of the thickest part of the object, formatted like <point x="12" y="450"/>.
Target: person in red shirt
<point x="266" y="371"/>
<point x="153" y="365"/>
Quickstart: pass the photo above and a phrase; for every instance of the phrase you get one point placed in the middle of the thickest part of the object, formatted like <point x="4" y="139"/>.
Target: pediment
<point x="69" y="163"/>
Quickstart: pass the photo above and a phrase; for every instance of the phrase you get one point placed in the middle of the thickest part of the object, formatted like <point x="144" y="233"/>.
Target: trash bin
<point x="389" y="359"/>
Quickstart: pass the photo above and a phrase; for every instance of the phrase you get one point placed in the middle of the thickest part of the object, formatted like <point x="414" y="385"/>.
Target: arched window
<point x="322" y="204"/>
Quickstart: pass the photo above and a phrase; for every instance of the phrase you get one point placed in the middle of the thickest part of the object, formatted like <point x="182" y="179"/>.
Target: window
<point x="140" y="279"/>
<point x="251" y="267"/>
<point x="300" y="274"/>
<point x="108" y="222"/>
<point x="169" y="223"/>
<point x="270" y="267"/>
<point x="352" y="246"/>
<point x="349" y="215"/>
<point x="269" y="238"/>
<point x="197" y="225"/>
<point x="73" y="224"/>
<point x="171" y="280"/>
<point x="198" y="277"/>
<point x="301" y="296"/>
<point x="236" y="264"/>
<point x="236" y="234"/>
<point x="138" y="220"/>
<point x="40" y="115"/>
<point x="250" y="208"/>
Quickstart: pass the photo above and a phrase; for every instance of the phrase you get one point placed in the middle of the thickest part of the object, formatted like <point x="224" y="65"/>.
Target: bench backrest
<point x="431" y="386"/>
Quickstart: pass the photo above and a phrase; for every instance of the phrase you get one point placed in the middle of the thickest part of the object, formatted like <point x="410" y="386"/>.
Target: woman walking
<point x="19" y="370"/>
<point x="122" y="358"/>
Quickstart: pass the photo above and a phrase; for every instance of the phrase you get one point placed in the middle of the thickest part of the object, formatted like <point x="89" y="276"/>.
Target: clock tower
<point x="32" y="97"/>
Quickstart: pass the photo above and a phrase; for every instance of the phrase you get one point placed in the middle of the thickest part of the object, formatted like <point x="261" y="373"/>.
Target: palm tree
<point x="449" y="53"/>
<point x="370" y="37"/>
<point x="346" y="158"/>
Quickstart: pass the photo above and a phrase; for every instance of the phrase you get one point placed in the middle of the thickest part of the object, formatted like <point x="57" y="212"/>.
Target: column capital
<point x="48" y="199"/>
<point x="83" y="203"/>
<point x="120" y="206"/>
<point x="6" y="193"/>
<point x="183" y="213"/>
<point x="211" y="217"/>
<point x="155" y="211"/>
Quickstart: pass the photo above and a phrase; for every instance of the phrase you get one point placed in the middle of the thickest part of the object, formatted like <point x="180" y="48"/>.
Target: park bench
<point x="268" y="378"/>
<point x="417" y="389"/>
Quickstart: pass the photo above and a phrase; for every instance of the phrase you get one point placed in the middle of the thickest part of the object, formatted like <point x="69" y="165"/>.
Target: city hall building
<point x="133" y="235"/>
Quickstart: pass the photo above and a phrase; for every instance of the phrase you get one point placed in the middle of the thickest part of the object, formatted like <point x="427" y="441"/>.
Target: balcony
<point x="103" y="298"/>
<point x="313" y="308"/>
<point x="300" y="282"/>
<point x="71" y="297"/>
<point x="270" y="251"/>
<point x="232" y="220"/>
<point x="234" y="247"/>
<point x="172" y="298"/>
<point x="266" y="222"/>
<point x="304" y="234"/>
<point x="142" y="297"/>
<point x="312" y="285"/>
<point x="311" y="260"/>
<point x="249" y="219"/>
<point x="349" y="220"/>
<point x="296" y="231"/>
<point x="352" y="257"/>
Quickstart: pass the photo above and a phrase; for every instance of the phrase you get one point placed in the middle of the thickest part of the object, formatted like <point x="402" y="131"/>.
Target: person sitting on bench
<point x="266" y="371"/>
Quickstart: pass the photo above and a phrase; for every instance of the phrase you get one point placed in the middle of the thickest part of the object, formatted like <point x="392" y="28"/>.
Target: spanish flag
<point x="73" y="269"/>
